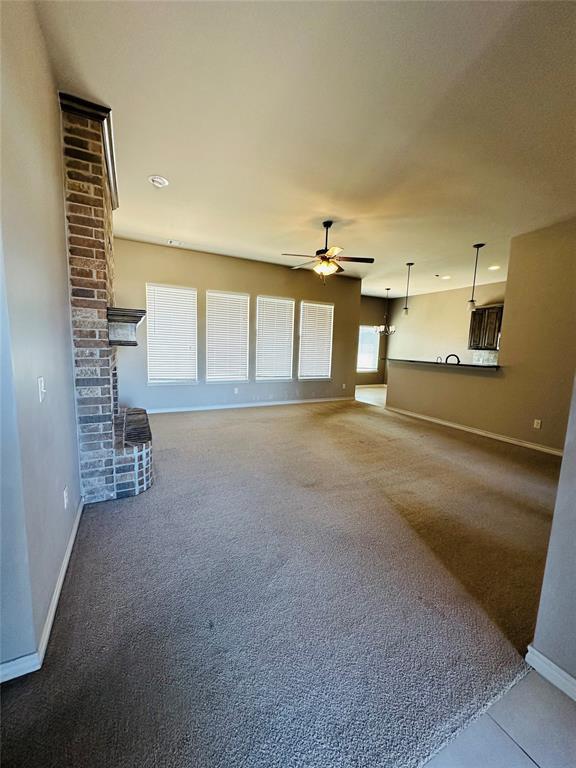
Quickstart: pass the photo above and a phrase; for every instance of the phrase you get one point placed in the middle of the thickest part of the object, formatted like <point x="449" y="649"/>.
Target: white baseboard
<point x="260" y="404"/>
<point x="20" y="666"/>
<point x="33" y="661"/>
<point x="551" y="672"/>
<point x="483" y="433"/>
<point x="45" y="636"/>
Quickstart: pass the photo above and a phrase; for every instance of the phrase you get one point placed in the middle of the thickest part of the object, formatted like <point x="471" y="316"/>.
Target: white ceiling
<point x="420" y="127"/>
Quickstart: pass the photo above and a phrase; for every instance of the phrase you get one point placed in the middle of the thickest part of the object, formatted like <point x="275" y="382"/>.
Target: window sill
<point x="226" y="381"/>
<point x="175" y="383"/>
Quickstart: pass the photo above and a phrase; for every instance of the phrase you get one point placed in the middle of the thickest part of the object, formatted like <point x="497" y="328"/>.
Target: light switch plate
<point x="537" y="424"/>
<point x="41" y="389"/>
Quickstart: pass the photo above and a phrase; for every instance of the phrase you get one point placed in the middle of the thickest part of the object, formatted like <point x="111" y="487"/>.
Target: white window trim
<point x="276" y="379"/>
<point x="225" y="381"/>
<point x="320" y="303"/>
<point x="368" y="370"/>
<point x="172" y="382"/>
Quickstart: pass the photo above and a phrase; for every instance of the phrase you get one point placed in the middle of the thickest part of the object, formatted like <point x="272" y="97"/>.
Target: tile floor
<point x="372" y="395"/>
<point x="534" y="724"/>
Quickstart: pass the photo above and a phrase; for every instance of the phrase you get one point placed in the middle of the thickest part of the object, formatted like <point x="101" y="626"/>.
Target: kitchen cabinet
<point x="485" y="325"/>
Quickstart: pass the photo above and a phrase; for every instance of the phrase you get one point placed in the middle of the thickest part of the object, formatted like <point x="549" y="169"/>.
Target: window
<point x="171" y="333"/>
<point x="227" y="336"/>
<point x="316" y="322"/>
<point x="274" y="338"/>
<point x="368" y="349"/>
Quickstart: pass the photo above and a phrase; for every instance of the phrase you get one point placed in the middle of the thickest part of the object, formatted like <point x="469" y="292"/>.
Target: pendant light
<point x="386" y="329"/>
<point x="409" y="264"/>
<point x="472" y="302"/>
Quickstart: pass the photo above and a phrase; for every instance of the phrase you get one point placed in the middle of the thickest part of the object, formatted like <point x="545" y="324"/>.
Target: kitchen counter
<point x="445" y="365"/>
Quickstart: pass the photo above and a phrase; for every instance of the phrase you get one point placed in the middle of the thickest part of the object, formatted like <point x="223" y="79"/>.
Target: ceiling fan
<point x="327" y="260"/>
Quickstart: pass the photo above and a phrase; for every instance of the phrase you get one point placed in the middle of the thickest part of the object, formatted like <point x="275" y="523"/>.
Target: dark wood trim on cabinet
<point x="485" y="325"/>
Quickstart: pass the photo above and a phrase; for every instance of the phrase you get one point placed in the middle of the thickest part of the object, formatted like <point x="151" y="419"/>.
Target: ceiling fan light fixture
<point x="328" y="259"/>
<point x="325" y="268"/>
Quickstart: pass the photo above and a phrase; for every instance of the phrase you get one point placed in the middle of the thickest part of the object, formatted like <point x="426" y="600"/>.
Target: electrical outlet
<point x="41" y="389"/>
<point x="235" y="390"/>
<point x="65" y="497"/>
<point x="343" y="386"/>
<point x="537" y="424"/>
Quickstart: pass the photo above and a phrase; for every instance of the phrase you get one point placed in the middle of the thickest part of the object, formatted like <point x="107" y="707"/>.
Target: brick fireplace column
<point x="109" y="467"/>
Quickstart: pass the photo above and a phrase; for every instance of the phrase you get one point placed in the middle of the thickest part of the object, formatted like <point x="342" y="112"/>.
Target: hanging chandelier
<point x="385" y="329"/>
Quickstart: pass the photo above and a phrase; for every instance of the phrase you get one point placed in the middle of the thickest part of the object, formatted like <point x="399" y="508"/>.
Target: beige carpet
<point x="483" y="507"/>
<point x="317" y="586"/>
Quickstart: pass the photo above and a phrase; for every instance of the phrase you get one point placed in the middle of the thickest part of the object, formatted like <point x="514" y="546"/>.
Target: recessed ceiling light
<point x="446" y="277"/>
<point x="494" y="267"/>
<point x="158" y="181"/>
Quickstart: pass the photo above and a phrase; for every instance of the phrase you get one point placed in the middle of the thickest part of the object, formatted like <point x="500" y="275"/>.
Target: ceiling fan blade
<point x="340" y="269"/>
<point x="299" y="266"/>
<point x="299" y="255"/>
<point x="353" y="258"/>
<point x="333" y="251"/>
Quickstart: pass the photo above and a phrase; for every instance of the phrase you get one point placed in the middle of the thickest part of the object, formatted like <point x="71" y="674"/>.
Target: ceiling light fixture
<point x="386" y="329"/>
<point x="446" y="277"/>
<point x="471" y="302"/>
<point x="409" y="264"/>
<point x="325" y="268"/>
<point x="158" y="181"/>
<point x="494" y="267"/>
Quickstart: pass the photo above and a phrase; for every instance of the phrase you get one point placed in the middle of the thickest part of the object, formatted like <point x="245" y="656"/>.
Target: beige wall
<point x="438" y="323"/>
<point x="372" y="311"/>
<point x="556" y="626"/>
<point x="537" y="353"/>
<point x="34" y="252"/>
<point x="16" y="617"/>
<point x="138" y="263"/>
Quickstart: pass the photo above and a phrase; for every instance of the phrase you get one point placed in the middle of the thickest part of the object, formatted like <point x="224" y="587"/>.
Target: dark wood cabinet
<point x="485" y="324"/>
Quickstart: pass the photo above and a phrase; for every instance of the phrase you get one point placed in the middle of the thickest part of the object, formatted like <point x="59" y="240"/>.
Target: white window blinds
<point x="171" y="333"/>
<point x="368" y="349"/>
<point x="316" y="322"/>
<point x="274" y="338"/>
<point x="227" y="316"/>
